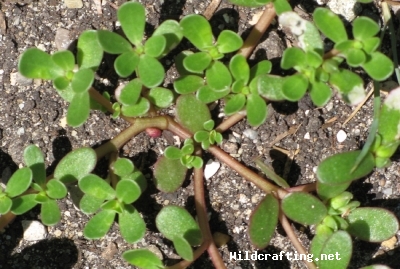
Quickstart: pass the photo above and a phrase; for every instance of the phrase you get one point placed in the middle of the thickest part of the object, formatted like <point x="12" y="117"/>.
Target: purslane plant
<point x="204" y="78"/>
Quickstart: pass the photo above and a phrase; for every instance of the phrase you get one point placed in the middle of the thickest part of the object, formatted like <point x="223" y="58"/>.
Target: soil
<point x="32" y="112"/>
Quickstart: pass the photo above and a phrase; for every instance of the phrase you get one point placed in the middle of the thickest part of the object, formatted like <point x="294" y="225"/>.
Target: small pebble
<point x="33" y="230"/>
<point x="388" y="191"/>
<point x="341" y="136"/>
<point x="211" y="168"/>
<point x="307" y="135"/>
<point x="73" y="3"/>
<point x="251" y="134"/>
<point x="390" y="243"/>
<point x="62" y="39"/>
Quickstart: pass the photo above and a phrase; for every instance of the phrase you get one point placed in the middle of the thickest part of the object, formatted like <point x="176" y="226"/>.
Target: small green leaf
<point x="161" y="97"/>
<point x="113" y="43"/>
<point x="5" y="205"/>
<point x="50" y="212"/>
<point x="150" y="71"/>
<point x="228" y="41"/>
<point x="183" y="248"/>
<point x="336" y="169"/>
<point x="90" y="204"/>
<point x="130" y="94"/>
<point x="293" y="57"/>
<point x="371" y="44"/>
<point x="126" y="63"/>
<point x="235" y="103"/>
<point x="218" y="76"/>
<point x="173" y="153"/>
<point x="90" y="52"/>
<point x="188" y="84"/>
<point x="98" y="226"/>
<point x="269" y="87"/>
<point x="56" y="189"/>
<point x="313" y="59"/>
<point x="250" y="3"/>
<point x="330" y="24"/>
<point x="389" y="118"/>
<point x="201" y="136"/>
<point x="133" y="19"/>
<point x="337" y="250"/>
<point x="169" y="174"/>
<point x="131" y="224"/>
<point x="123" y="167"/>
<point x="240" y="68"/>
<point x="155" y="46"/>
<point x="209" y="125"/>
<point x="191" y="112"/>
<point x="294" y="87"/>
<point x="378" y="66"/>
<point x="320" y="93"/>
<point x="257" y="110"/>
<point x="349" y="85"/>
<point x="261" y="68"/>
<point x="263" y="221"/>
<point x="19" y="182"/>
<point x="75" y="165"/>
<point x="197" y="62"/>
<point x="172" y="32"/>
<point x="281" y="6"/>
<point x="139" y="178"/>
<point x="208" y="95"/>
<point x="128" y="191"/>
<point x="197" y="162"/>
<point x="34" y="159"/>
<point x="35" y="63"/>
<point x="82" y="80"/>
<point x="174" y="221"/>
<point x="97" y="187"/>
<point x="61" y="83"/>
<point x="197" y="30"/>
<point x="113" y="205"/>
<point x="138" y="109"/>
<point x="327" y="191"/>
<point x="64" y="59"/>
<point x="364" y="27"/>
<point x="23" y="204"/>
<point x="366" y="224"/>
<point x="355" y="57"/>
<point x="143" y="258"/>
<point x="303" y="208"/>
<point x="79" y="109"/>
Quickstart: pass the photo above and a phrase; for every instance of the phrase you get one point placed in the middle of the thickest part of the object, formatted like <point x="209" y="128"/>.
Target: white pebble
<point x="33" y="230"/>
<point x="307" y="135"/>
<point x="211" y="169"/>
<point x="251" y="134"/>
<point x="341" y="136"/>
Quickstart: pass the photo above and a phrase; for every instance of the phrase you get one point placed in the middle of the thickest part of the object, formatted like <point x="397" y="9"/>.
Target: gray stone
<point x="33" y="230"/>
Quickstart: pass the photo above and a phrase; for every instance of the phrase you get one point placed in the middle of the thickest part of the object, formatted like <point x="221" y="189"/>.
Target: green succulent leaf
<point x="250" y="3"/>
<point x="371" y="44"/>
<point x="64" y="59"/>
<point x="113" y="43"/>
<point x="61" y="83"/>
<point x="188" y="84"/>
<point x="228" y="41"/>
<point x="155" y="46"/>
<point x="150" y="71"/>
<point x="191" y="112"/>
<point x="35" y="63"/>
<point x="281" y="6"/>
<point x="23" y="204"/>
<point x="330" y="24"/>
<point x="50" y="212"/>
<point x="327" y="191"/>
<point x="294" y="87"/>
<point x="263" y="221"/>
<point x="366" y="223"/>
<point x="131" y="224"/>
<point x="126" y="63"/>
<point x="218" y="76"/>
<point x="378" y="66"/>
<point x="90" y="52"/>
<point x="200" y="136"/>
<point x="338" y="249"/>
<point x="175" y="222"/>
<point x="90" y="204"/>
<point x="143" y="258"/>
<point x="293" y="57"/>
<point x="320" y="93"/>
<point x="161" y="97"/>
<point x="207" y="95"/>
<point x="197" y="162"/>
<point x="79" y="109"/>
<point x="303" y="208"/>
<point x="364" y="27"/>
<point x="123" y="167"/>
<point x="269" y="87"/>
<point x="256" y="109"/>
<point x="98" y="226"/>
<point x="197" y="30"/>
<point x="235" y="103"/>
<point x="75" y="165"/>
<point x="82" y="80"/>
<point x="172" y="32"/>
<point x="56" y="189"/>
<point x="5" y="205"/>
<point x="197" y="62"/>
<point x="349" y="85"/>
<point x="239" y="68"/>
<point x="132" y="16"/>
<point x="355" y="57"/>
<point x="173" y="153"/>
<point x="34" y="159"/>
<point x="97" y="187"/>
<point x="261" y="68"/>
<point x="183" y="248"/>
<point x="169" y="174"/>
<point x="389" y="119"/>
<point x="138" y="109"/>
<point x="365" y="1"/>
<point x="337" y="169"/>
<point x="130" y="94"/>
<point x="128" y="191"/>
<point x="19" y="182"/>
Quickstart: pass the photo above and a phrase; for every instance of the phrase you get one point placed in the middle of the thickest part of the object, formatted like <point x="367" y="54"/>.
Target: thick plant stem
<point x="229" y="122"/>
<point x="197" y="253"/>
<point x="310" y="187"/>
<point x="293" y="238"/>
<point x="6" y="219"/>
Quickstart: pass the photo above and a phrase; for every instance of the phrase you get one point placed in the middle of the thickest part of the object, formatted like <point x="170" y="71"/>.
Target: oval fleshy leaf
<point x="34" y="159"/>
<point x="240" y="68"/>
<point x="228" y="41"/>
<point x="294" y="87"/>
<point x="280" y="6"/>
<point x="188" y="84"/>
<point x="371" y="44"/>
<point x="98" y="226"/>
<point x="50" y="212"/>
<point x="5" y="205"/>
<point x="131" y="224"/>
<point x="183" y="248"/>
<point x="113" y="43"/>
<point x="378" y="66"/>
<point x="23" y="204"/>
<point x="79" y="109"/>
<point x="366" y="224"/>
<point x="197" y="62"/>
<point x="61" y="83"/>
<point x="197" y="30"/>
<point x="19" y="182"/>
<point x="218" y="76"/>
<point x="336" y="169"/>
<point x="133" y="19"/>
<point x="355" y="57"/>
<point x="327" y="191"/>
<point x="349" y="85"/>
<point x="364" y="27"/>
<point x="56" y="189"/>
<point x="191" y="112"/>
<point x="169" y="174"/>
<point x="150" y="71"/>
<point x="256" y="109"/>
<point x="123" y="167"/>
<point x="389" y="118"/>
<point x="90" y="204"/>
<point x="97" y="187"/>
<point x="235" y="103"/>
<point x="64" y="59"/>
<point x="303" y="208"/>
<point x="338" y="247"/>
<point x="250" y="3"/>
<point x="130" y="94"/>
<point x="155" y="46"/>
<point x="126" y="63"/>
<point x="90" y="52"/>
<point x="35" y="63"/>
<point x="172" y="32"/>
<point x="261" y="68"/>
<point x="174" y="221"/>
<point x="75" y="165"/>
<point x="161" y="97"/>
<point x="82" y="80"/>
<point x="263" y="221"/>
<point x="208" y="95"/>
<point x="269" y="87"/>
<point x="330" y="24"/>
<point x="320" y="93"/>
<point x="143" y="258"/>
<point x="293" y="57"/>
<point x="128" y="191"/>
<point x="138" y="109"/>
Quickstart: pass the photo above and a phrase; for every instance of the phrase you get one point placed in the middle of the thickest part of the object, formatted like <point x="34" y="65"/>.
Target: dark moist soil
<point x="32" y="112"/>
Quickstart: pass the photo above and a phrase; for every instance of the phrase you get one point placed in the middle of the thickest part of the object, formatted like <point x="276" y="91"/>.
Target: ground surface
<point x="32" y="112"/>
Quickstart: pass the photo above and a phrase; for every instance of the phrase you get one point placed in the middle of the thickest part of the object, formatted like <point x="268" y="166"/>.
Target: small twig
<point x="212" y="7"/>
<point x="358" y="107"/>
<point x="98" y="6"/>
<point x="229" y="122"/>
<point x="328" y="123"/>
<point x="292" y="130"/>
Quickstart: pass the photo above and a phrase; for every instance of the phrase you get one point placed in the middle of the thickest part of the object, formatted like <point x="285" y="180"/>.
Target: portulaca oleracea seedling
<point x="210" y="72"/>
